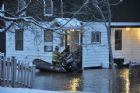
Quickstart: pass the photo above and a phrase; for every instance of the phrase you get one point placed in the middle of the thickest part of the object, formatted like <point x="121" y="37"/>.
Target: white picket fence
<point x="14" y="73"/>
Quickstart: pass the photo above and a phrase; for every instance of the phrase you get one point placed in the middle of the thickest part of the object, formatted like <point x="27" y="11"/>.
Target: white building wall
<point x="95" y="54"/>
<point x="33" y="46"/>
<point x="130" y="45"/>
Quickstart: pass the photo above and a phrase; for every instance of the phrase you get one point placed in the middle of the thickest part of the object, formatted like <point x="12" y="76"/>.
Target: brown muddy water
<point x="95" y="80"/>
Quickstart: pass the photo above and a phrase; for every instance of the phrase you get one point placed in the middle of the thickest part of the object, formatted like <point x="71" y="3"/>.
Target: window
<point x="96" y="37"/>
<point x="48" y="41"/>
<point x="48" y="7"/>
<point x="62" y="38"/>
<point x="118" y="40"/>
<point x="19" y="39"/>
<point x="21" y="5"/>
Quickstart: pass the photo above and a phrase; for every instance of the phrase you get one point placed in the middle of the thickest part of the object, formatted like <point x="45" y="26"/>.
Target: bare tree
<point x="86" y="10"/>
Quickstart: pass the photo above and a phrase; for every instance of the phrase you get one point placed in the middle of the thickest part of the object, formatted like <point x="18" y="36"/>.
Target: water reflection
<point x="123" y="82"/>
<point x="128" y="80"/>
<point x="135" y="80"/>
<point x="74" y="84"/>
<point x="89" y="81"/>
<point x="96" y="80"/>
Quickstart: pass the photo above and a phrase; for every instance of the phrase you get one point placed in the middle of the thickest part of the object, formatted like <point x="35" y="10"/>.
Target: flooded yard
<point x="128" y="80"/>
<point x="95" y="80"/>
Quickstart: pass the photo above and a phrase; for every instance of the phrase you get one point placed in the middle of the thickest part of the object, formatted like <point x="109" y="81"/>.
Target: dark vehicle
<point x="45" y="66"/>
<point x="69" y="64"/>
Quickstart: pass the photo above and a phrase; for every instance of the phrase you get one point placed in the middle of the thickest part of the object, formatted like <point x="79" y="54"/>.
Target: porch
<point x="125" y="40"/>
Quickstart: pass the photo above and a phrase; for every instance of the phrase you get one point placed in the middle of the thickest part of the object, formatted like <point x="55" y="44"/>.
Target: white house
<point x="125" y="40"/>
<point x="95" y="45"/>
<point x="28" y="42"/>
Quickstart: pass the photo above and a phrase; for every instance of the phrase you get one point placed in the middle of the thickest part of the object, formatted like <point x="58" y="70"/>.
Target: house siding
<point x="130" y="45"/>
<point x="33" y="44"/>
<point x="95" y="54"/>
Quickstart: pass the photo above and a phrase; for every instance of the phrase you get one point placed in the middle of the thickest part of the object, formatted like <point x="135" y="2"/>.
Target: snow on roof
<point x="68" y="23"/>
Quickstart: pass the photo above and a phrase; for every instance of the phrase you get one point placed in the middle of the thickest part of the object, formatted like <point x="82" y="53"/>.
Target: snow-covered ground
<point x="25" y="90"/>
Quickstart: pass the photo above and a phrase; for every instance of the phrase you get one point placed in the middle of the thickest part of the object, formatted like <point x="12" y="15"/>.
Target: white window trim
<point x="45" y="8"/>
<point x="50" y="44"/>
<point x="96" y="42"/>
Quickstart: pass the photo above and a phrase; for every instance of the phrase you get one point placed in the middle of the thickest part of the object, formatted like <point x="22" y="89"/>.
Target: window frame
<point x="47" y="43"/>
<point x="94" y="38"/>
<point x="48" y="14"/>
<point x="19" y="39"/>
<point x="62" y="40"/>
<point x="118" y="39"/>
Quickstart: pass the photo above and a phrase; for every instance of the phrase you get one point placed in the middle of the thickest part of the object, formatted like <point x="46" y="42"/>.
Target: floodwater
<point x="128" y="80"/>
<point x="95" y="80"/>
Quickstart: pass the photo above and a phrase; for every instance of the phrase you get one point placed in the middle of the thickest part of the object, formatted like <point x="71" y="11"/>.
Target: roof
<point x="68" y="23"/>
<point x="125" y="24"/>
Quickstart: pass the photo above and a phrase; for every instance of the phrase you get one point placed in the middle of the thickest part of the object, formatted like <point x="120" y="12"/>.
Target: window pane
<point x="93" y="37"/>
<point x="48" y="48"/>
<point x="19" y="45"/>
<point x="48" y="36"/>
<point x="62" y="37"/>
<point x="48" y="41"/>
<point x="118" y="40"/>
<point x="19" y="39"/>
<point x="48" y="7"/>
<point x="96" y="37"/>
<point x="19" y="35"/>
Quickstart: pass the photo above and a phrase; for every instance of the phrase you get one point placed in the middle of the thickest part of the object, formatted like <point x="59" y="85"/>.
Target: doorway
<point x="73" y="39"/>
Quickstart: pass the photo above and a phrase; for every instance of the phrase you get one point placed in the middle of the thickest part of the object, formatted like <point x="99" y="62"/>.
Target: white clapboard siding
<point x="130" y="44"/>
<point x="92" y="55"/>
<point x="33" y="44"/>
<point x="95" y="54"/>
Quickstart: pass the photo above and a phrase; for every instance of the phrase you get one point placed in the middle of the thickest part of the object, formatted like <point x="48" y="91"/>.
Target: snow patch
<point x="68" y="23"/>
<point x="25" y="90"/>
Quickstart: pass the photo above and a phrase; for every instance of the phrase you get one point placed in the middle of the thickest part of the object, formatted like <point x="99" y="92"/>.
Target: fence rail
<point x="14" y="73"/>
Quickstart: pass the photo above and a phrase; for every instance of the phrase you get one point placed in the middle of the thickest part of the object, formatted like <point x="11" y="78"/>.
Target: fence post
<point x="8" y="71"/>
<point x="32" y="75"/>
<point x="13" y="72"/>
<point x="28" y="75"/>
<point x="16" y="74"/>
<point x="22" y="74"/>
<point x="3" y="71"/>
<point x="24" y="66"/>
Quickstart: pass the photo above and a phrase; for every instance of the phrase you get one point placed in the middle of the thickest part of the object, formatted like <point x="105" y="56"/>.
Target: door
<point x="73" y="39"/>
